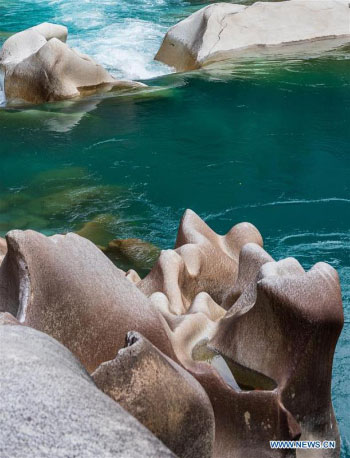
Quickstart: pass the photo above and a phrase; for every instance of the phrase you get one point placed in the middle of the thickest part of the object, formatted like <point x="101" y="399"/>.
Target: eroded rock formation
<point x="38" y="66"/>
<point x="258" y="335"/>
<point x="218" y="31"/>
<point x="202" y="261"/>
<point x="65" y="286"/>
<point x="161" y="395"/>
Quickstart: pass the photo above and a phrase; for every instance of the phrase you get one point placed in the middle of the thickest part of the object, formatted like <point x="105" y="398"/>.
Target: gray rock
<point x="50" y="407"/>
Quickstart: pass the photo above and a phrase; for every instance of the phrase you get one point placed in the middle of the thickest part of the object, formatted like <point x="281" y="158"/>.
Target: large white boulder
<point x="23" y="44"/>
<point x="218" y="31"/>
<point x="38" y="66"/>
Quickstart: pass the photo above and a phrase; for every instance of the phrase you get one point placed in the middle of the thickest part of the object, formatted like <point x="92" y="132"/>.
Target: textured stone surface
<point x="161" y="395"/>
<point x="217" y="31"/>
<point x="258" y="335"/>
<point x="296" y="318"/>
<point x="65" y="286"/>
<point x="50" y="407"/>
<point x="202" y="261"/>
<point x="245" y="421"/>
<point x="7" y="318"/>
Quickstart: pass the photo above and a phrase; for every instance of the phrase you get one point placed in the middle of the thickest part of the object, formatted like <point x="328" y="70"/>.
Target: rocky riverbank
<point x="213" y="350"/>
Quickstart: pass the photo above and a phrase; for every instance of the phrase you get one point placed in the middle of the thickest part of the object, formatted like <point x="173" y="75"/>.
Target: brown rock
<point x="202" y="261"/>
<point x="7" y="318"/>
<point x="246" y="417"/>
<point x="286" y="327"/>
<point x="65" y="286"/>
<point x="161" y="395"/>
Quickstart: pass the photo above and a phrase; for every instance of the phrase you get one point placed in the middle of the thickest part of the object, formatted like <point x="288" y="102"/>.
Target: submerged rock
<point x="40" y="67"/>
<point x="99" y="230"/>
<point x="133" y="253"/>
<point x="50" y="406"/>
<point x="218" y="31"/>
<point x="64" y="200"/>
<point x="161" y="395"/>
<point x="65" y="286"/>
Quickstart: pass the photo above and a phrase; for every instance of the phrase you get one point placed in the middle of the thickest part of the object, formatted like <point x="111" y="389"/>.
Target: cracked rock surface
<point x="220" y="30"/>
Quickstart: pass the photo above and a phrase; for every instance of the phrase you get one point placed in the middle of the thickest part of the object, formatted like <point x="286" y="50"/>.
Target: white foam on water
<point x="126" y="49"/>
<point x="123" y="37"/>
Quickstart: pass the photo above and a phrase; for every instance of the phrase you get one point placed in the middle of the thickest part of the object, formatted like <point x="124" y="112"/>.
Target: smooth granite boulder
<point x="286" y="326"/>
<point x="38" y="66"/>
<point x="65" y="286"/>
<point x="23" y="44"/>
<point x="202" y="261"/>
<point x="161" y="395"/>
<point x="50" y="406"/>
<point x="218" y="31"/>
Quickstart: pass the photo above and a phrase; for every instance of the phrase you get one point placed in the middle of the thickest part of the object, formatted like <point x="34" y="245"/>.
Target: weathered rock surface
<point x="265" y="364"/>
<point x="245" y="419"/>
<point x="39" y="67"/>
<point x="161" y="395"/>
<point x="65" y="286"/>
<point x="202" y="261"/>
<point x="50" y="406"/>
<point x="297" y="317"/>
<point x="218" y="31"/>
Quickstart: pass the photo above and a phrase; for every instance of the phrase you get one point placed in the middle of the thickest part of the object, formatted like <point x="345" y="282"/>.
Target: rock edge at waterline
<point x="38" y="66"/>
<point x="219" y="30"/>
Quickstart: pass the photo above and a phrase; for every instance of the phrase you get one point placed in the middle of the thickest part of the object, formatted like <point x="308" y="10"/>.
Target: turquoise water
<point x="264" y="140"/>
